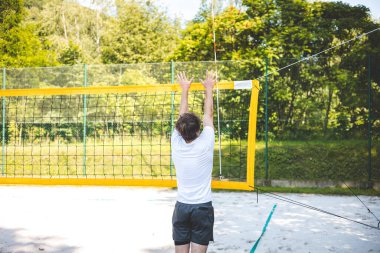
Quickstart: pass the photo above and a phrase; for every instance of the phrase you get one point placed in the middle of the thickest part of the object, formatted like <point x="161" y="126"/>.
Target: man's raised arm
<point x="208" y="83"/>
<point x="185" y="85"/>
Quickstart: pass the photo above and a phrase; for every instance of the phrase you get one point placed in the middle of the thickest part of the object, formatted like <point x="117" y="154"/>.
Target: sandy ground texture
<point x="126" y="219"/>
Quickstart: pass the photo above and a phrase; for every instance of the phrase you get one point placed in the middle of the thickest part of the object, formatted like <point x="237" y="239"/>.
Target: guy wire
<point x="321" y="52"/>
<point x="294" y="202"/>
<point x="362" y="202"/>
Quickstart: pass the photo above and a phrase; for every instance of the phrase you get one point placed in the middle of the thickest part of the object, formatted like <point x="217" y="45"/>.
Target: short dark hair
<point x="188" y="125"/>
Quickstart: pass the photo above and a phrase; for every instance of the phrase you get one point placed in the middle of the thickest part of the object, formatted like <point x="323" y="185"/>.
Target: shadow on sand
<point x="167" y="249"/>
<point x="13" y="241"/>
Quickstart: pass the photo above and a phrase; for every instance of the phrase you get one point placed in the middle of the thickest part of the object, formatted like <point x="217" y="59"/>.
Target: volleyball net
<point x="111" y="124"/>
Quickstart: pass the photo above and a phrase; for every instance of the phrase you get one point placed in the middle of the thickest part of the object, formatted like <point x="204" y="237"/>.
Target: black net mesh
<point x="114" y="135"/>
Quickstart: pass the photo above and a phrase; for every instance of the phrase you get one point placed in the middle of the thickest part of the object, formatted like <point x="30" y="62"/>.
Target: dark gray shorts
<point x="193" y="223"/>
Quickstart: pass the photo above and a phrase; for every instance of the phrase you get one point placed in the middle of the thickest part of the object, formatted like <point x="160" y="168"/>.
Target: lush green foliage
<point x="112" y="32"/>
<point x="19" y="46"/>
<point x="322" y="98"/>
<point x="317" y="160"/>
<point x="141" y="33"/>
<point x="326" y="191"/>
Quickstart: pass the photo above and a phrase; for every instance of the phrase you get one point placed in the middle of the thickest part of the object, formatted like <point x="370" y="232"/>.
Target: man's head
<point x="188" y="125"/>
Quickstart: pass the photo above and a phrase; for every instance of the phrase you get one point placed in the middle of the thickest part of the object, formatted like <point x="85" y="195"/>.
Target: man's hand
<point x="185" y="85"/>
<point x="184" y="81"/>
<point x="210" y="80"/>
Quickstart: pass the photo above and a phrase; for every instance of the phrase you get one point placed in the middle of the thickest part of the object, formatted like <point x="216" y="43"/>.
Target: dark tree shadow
<point x="12" y="241"/>
<point x="166" y="249"/>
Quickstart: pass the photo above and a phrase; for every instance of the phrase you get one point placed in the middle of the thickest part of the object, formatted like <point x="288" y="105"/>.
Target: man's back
<point x="193" y="162"/>
<point x="192" y="152"/>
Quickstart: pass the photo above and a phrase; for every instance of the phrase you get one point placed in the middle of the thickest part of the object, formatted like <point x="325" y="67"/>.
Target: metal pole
<point x="84" y="120"/>
<point x="369" y="121"/>
<point x="266" y="119"/>
<point x="3" y="132"/>
<point x="172" y="115"/>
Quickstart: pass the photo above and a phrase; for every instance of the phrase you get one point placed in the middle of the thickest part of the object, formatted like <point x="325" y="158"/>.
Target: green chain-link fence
<point x="317" y="120"/>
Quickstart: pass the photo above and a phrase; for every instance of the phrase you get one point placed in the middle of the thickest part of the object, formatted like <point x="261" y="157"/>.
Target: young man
<point x="192" y="153"/>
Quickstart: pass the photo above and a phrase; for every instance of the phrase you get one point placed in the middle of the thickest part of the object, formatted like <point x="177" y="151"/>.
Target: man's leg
<point x="197" y="248"/>
<point x="182" y="248"/>
<point x="181" y="228"/>
<point x="202" y="221"/>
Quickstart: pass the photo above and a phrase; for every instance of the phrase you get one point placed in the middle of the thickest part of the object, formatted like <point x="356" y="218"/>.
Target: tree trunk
<point x="326" y="121"/>
<point x="304" y="113"/>
<point x="20" y="134"/>
<point x="291" y="107"/>
<point x="98" y="32"/>
<point x="64" y="27"/>
<point x="77" y="30"/>
<point x="107" y="130"/>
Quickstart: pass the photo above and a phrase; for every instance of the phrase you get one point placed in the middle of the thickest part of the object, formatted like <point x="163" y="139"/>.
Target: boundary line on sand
<point x="264" y="229"/>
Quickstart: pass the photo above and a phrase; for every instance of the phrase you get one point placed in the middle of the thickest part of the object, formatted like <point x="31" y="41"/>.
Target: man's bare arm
<point x="208" y="83"/>
<point x="185" y="85"/>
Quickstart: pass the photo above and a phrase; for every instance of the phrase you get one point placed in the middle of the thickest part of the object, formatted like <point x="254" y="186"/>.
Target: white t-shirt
<point x="193" y="162"/>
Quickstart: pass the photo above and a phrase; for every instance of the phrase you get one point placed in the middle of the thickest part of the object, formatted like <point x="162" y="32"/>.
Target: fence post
<point x="84" y="119"/>
<point x="266" y="119"/>
<point x="369" y="120"/>
<point x="3" y="124"/>
<point x="171" y="115"/>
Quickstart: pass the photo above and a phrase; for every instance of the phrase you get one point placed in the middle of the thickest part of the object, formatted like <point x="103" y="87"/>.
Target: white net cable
<point x="217" y="91"/>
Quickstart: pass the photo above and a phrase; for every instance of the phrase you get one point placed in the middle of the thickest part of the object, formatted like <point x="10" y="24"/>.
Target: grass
<point x="150" y="158"/>
<point x="147" y="158"/>
<point x="324" y="191"/>
<point x="108" y="158"/>
<point x="318" y="160"/>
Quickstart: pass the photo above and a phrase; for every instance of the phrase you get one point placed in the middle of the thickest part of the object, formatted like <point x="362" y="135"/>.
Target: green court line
<point x="265" y="228"/>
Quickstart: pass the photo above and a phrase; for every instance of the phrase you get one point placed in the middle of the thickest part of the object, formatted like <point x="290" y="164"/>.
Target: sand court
<point x="131" y="219"/>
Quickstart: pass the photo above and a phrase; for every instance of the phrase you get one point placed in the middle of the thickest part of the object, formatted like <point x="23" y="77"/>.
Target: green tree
<point x="71" y="55"/>
<point x="63" y="22"/>
<point x="309" y="97"/>
<point x="139" y="33"/>
<point x="11" y="13"/>
<point x="19" y="46"/>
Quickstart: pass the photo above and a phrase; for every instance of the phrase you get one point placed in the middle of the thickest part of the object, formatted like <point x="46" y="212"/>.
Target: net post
<point x="252" y="133"/>
<point x="3" y="125"/>
<point x="171" y="115"/>
<point x="84" y="119"/>
<point x="266" y="119"/>
<point x="369" y="121"/>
